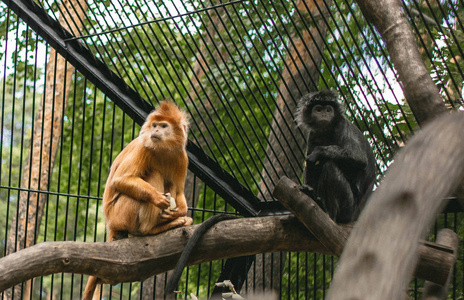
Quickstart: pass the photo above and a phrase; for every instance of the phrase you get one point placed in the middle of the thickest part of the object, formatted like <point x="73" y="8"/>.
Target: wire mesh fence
<point x="238" y="68"/>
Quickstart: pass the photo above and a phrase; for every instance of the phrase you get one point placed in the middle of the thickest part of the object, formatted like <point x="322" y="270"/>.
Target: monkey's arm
<point x="180" y="211"/>
<point x="137" y="188"/>
<point x="351" y="156"/>
<point x="126" y="177"/>
<point x="181" y="202"/>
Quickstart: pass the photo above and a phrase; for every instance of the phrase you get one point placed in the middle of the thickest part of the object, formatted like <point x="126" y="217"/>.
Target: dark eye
<point x="153" y="124"/>
<point x="164" y="125"/>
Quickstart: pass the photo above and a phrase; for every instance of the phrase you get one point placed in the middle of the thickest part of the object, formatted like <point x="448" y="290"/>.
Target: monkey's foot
<point x="119" y="235"/>
<point x="188" y="221"/>
<point x="179" y="222"/>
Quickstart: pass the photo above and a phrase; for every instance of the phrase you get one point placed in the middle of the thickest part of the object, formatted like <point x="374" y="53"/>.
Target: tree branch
<point x="420" y="91"/>
<point x="433" y="291"/>
<point x="381" y="250"/>
<point x="137" y="258"/>
<point x="434" y="265"/>
<point x="331" y="235"/>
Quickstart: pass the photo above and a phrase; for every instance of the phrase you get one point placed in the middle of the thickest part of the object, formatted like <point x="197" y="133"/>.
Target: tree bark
<point x="420" y="91"/>
<point x="332" y="236"/>
<point x="381" y="249"/>
<point x="44" y="144"/>
<point x="137" y="258"/>
<point x="433" y="291"/>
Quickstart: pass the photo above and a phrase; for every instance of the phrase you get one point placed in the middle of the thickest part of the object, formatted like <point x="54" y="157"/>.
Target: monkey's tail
<point x="192" y="242"/>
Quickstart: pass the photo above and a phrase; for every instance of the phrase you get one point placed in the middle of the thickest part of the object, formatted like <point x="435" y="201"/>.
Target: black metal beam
<point x="130" y="101"/>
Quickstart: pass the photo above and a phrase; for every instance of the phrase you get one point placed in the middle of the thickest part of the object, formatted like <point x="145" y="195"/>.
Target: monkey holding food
<point x="154" y="164"/>
<point x="340" y="165"/>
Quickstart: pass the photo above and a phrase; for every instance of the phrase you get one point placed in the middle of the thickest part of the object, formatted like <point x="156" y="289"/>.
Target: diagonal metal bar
<point x="208" y="170"/>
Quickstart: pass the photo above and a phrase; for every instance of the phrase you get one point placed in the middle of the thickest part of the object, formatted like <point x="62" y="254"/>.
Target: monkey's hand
<point x="161" y="200"/>
<point x="315" y="156"/>
<point x="167" y="215"/>
<point x="308" y="190"/>
<point x="172" y="201"/>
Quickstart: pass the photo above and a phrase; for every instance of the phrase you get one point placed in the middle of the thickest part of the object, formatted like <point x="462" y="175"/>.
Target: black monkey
<point x="340" y="166"/>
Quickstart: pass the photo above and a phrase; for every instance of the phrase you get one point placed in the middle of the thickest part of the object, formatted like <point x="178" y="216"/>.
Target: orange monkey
<point x="154" y="164"/>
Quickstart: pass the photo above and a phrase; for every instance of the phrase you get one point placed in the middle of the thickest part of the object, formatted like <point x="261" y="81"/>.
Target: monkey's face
<point x="165" y="128"/>
<point x="160" y="131"/>
<point x="322" y="115"/>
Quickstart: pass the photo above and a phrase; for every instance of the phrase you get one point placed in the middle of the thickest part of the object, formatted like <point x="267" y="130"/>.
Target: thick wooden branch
<point x="381" y="249"/>
<point x="433" y="291"/>
<point x="436" y="260"/>
<point x="332" y="236"/>
<point x="419" y="89"/>
<point x="137" y="258"/>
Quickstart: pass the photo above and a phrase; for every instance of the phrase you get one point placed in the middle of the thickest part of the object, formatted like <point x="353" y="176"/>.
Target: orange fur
<point x="152" y="164"/>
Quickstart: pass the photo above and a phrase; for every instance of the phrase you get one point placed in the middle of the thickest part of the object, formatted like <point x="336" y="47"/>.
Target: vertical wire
<point x="297" y="275"/>
<point x="2" y="122"/>
<point x="305" y="280"/>
<point x="315" y="275"/>
<point x="101" y="163"/>
<point x="79" y="181"/>
<point x="112" y="147"/>
<point x="60" y="164"/>
<point x="89" y="180"/>
<point x="22" y="140"/>
<point x="10" y="179"/>
<point x="71" y="153"/>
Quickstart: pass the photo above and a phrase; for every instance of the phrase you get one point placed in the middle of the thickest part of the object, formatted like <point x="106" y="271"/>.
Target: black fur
<point x="192" y="242"/>
<point x="340" y="165"/>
